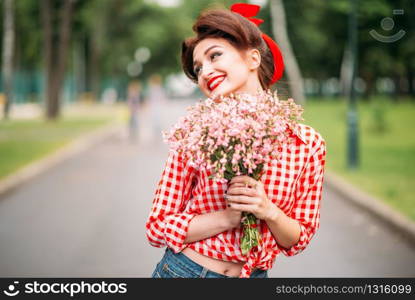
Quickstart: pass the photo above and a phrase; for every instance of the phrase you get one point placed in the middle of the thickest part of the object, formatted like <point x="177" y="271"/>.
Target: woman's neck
<point x="252" y="86"/>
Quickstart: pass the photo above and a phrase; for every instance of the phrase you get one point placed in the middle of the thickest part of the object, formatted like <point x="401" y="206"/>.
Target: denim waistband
<point x="200" y="271"/>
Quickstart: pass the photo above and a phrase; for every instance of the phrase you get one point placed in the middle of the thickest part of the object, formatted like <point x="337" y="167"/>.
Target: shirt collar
<point x="299" y="132"/>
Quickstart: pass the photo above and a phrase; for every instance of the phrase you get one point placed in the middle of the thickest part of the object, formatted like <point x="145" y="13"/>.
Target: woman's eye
<point x="212" y="57"/>
<point x="197" y="70"/>
<point x="215" y="54"/>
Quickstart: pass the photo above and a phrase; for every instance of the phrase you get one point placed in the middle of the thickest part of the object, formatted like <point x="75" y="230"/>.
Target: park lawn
<point x="387" y="168"/>
<point x="24" y="141"/>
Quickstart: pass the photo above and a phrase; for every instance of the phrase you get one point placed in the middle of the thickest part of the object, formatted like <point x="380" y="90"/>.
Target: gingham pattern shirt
<point x="293" y="183"/>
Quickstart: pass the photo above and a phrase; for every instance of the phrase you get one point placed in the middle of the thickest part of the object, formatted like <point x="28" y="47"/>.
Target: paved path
<point x="85" y="218"/>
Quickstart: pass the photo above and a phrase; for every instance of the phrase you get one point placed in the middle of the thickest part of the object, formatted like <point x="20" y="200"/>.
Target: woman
<point x="198" y="219"/>
<point x="133" y="102"/>
<point x="156" y="100"/>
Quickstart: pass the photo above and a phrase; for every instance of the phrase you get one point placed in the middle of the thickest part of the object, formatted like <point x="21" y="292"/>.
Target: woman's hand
<point x="233" y="216"/>
<point x="247" y="194"/>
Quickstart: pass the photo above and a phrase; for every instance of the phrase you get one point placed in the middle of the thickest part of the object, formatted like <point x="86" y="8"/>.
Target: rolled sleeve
<point x="168" y="223"/>
<point x="306" y="209"/>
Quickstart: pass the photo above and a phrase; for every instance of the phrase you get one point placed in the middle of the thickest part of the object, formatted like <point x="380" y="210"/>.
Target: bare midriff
<point x="227" y="268"/>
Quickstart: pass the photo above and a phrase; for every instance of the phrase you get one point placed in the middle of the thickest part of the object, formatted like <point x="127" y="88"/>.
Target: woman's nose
<point x="207" y="71"/>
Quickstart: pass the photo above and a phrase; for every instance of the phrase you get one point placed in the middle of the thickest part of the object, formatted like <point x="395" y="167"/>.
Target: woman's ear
<point x="254" y="59"/>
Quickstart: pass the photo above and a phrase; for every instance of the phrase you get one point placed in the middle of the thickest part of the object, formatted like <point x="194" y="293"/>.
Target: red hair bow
<point x="249" y="11"/>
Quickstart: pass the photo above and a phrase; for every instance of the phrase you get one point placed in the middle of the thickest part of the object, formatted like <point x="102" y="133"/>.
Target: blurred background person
<point x="133" y="103"/>
<point x="156" y="99"/>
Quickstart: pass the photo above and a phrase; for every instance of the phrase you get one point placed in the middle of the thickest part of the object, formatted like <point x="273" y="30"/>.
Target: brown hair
<point x="240" y="32"/>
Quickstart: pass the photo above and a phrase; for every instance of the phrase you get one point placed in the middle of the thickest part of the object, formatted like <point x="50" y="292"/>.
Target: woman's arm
<point x="286" y="231"/>
<point x="168" y="225"/>
<point x="211" y="224"/>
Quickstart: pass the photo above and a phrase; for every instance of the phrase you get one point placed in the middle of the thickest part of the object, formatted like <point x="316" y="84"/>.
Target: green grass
<point x="387" y="159"/>
<point x="24" y="141"/>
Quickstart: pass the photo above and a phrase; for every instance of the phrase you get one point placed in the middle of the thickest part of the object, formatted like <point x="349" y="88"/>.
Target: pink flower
<point x="241" y="128"/>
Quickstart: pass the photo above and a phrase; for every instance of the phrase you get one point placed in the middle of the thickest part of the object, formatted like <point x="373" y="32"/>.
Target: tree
<point x="279" y="28"/>
<point x="55" y="51"/>
<point x="8" y="45"/>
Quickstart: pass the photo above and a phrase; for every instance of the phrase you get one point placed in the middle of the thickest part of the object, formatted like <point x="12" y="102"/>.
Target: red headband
<point x="249" y="11"/>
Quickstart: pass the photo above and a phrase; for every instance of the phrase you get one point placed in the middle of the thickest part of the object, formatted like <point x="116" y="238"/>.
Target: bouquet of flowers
<point x="236" y="135"/>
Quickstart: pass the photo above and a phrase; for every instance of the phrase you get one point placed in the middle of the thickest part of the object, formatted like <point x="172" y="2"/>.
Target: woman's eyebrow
<point x="206" y="51"/>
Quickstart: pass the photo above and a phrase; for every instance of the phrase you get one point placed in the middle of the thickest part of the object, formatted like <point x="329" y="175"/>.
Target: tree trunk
<point x="46" y="14"/>
<point x="346" y="70"/>
<point x="279" y="28"/>
<point x="94" y="55"/>
<point x="55" y="54"/>
<point x="104" y="18"/>
<point x="8" y="45"/>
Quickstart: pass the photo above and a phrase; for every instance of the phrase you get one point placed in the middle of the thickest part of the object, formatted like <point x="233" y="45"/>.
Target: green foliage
<point x="387" y="159"/>
<point x="129" y="25"/>
<point x="27" y="40"/>
<point x="106" y="34"/>
<point x="22" y="142"/>
<point x="251" y="236"/>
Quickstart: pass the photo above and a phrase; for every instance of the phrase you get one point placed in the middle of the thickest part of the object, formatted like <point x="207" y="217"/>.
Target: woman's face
<point x="222" y="69"/>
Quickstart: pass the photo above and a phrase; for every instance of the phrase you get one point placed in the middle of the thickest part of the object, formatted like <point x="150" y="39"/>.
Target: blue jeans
<point x="178" y="265"/>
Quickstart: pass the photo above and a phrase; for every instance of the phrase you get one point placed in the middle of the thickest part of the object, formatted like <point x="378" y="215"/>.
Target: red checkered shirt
<point x="294" y="183"/>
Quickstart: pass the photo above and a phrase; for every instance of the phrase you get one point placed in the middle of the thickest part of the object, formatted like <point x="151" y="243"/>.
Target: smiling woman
<point x="235" y="42"/>
<point x="197" y="218"/>
<point x="222" y="69"/>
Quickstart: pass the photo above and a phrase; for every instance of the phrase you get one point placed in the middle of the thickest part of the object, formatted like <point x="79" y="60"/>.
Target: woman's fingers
<point x="241" y="184"/>
<point x="246" y="180"/>
<point x="231" y="199"/>
<point x="241" y="207"/>
<point x="241" y="191"/>
<point x="237" y="184"/>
